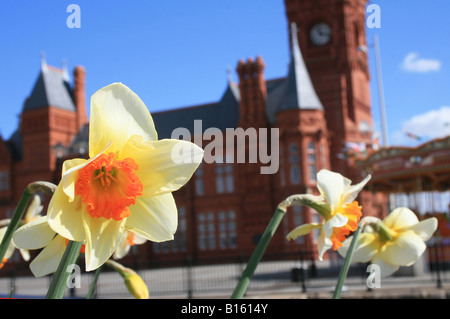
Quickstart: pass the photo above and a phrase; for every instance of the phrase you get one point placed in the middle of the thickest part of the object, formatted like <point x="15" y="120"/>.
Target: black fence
<point x="276" y="273"/>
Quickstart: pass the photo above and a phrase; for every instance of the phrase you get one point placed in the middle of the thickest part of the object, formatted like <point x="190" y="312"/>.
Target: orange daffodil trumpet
<point x="398" y="240"/>
<point x="127" y="182"/>
<point x="336" y="204"/>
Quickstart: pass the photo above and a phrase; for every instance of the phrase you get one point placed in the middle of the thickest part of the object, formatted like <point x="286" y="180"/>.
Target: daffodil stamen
<point x="109" y="186"/>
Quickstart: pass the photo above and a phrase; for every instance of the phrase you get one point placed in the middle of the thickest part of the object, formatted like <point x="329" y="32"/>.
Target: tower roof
<point x="51" y="89"/>
<point x="299" y="92"/>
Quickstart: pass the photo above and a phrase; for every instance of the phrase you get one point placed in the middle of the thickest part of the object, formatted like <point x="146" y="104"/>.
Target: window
<point x="178" y="244"/>
<point x="199" y="188"/>
<point x="227" y="229"/>
<point x="294" y="171"/>
<point x="206" y="231"/>
<point x="4" y="180"/>
<point x="224" y="178"/>
<point x="312" y="168"/>
<point x="217" y="230"/>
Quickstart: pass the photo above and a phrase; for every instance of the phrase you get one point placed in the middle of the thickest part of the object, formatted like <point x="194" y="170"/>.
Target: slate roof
<point x="52" y="88"/>
<point x="299" y="92"/>
<point x="223" y="114"/>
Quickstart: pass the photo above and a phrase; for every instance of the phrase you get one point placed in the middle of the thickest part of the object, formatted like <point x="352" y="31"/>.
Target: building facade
<point x="303" y="120"/>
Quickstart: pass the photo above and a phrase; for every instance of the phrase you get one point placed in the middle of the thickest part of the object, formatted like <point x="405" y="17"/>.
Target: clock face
<point x="320" y="34"/>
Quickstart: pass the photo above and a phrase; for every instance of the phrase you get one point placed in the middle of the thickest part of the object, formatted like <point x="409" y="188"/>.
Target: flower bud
<point x="136" y="286"/>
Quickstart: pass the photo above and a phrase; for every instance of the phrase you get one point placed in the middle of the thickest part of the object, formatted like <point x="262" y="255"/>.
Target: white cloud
<point x="429" y="125"/>
<point x="412" y="63"/>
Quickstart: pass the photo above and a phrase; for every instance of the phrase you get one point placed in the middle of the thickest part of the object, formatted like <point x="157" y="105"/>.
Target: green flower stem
<point x="247" y="274"/>
<point x="59" y="282"/>
<point x="15" y="221"/>
<point x="347" y="262"/>
<point x="94" y="282"/>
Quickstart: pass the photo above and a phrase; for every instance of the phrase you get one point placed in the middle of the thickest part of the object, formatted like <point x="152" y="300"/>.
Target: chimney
<point x="80" y="96"/>
<point x="253" y="92"/>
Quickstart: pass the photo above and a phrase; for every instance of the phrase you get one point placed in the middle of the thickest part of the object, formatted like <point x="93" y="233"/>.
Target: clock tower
<point x="331" y="34"/>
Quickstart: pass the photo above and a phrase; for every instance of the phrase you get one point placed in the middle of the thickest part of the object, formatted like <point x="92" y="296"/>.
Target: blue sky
<point x="176" y="53"/>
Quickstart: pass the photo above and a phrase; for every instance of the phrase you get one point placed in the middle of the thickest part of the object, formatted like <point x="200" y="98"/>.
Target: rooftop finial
<point x="43" y="61"/>
<point x="229" y="78"/>
<point x="65" y="72"/>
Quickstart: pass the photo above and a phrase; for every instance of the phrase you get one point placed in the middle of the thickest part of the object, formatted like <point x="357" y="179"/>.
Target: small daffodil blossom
<point x="398" y="240"/>
<point x="127" y="182"/>
<point x="129" y="239"/>
<point x="336" y="204"/>
<point x="33" y="211"/>
<point x="37" y="234"/>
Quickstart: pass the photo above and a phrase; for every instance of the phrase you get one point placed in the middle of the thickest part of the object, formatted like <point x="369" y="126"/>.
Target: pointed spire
<point x="300" y="92"/>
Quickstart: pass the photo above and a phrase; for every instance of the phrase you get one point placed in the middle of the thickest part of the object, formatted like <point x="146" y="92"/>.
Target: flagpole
<point x="380" y="91"/>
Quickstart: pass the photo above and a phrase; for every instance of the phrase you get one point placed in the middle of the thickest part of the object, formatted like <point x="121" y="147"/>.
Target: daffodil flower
<point x="129" y="239"/>
<point x="336" y="204"/>
<point x="37" y="234"/>
<point x="398" y="240"/>
<point x="126" y="184"/>
<point x="33" y="211"/>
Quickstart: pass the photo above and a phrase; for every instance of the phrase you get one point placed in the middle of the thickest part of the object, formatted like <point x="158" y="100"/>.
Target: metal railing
<point x="209" y="278"/>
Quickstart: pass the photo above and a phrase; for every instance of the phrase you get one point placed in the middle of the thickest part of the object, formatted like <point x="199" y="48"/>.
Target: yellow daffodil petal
<point x="302" y="230"/>
<point x="123" y="248"/>
<point x="352" y="192"/>
<point x="337" y="189"/>
<point x="365" y="249"/>
<point x="10" y="250"/>
<point x="34" y="209"/>
<point x="386" y="269"/>
<point x="25" y="253"/>
<point x="117" y="114"/>
<point x="159" y="171"/>
<point x="69" y="175"/>
<point x="404" y="250"/>
<point x="49" y="258"/>
<point x="331" y="186"/>
<point x="102" y="238"/>
<point x="154" y="218"/>
<point x="34" y="235"/>
<point x="338" y="220"/>
<point x="401" y="218"/>
<point x="426" y="228"/>
<point x="64" y="215"/>
<point x="323" y="244"/>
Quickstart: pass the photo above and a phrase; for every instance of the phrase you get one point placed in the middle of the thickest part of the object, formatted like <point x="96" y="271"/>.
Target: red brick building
<point x="321" y="105"/>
